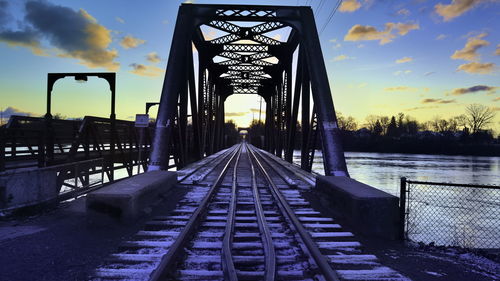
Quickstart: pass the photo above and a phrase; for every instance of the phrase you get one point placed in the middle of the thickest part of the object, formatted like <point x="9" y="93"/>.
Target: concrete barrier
<point x="27" y="187"/>
<point x="367" y="210"/>
<point x="127" y="200"/>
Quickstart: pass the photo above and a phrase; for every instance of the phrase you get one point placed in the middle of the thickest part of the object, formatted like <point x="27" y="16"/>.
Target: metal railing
<point x="450" y="214"/>
<point x="27" y="142"/>
<point x="81" y="177"/>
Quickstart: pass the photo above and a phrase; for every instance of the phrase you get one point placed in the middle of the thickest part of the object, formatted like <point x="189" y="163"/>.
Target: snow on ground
<point x="434" y="273"/>
<point x="477" y="264"/>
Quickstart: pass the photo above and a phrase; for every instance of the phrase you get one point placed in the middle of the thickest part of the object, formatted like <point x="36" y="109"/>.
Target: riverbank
<point x="430" y="144"/>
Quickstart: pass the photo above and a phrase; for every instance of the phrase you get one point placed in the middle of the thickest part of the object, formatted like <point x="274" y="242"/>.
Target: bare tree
<point x="478" y="116"/>
<point x="371" y="120"/>
<point x="346" y="123"/>
<point x="384" y="121"/>
<point x="461" y="121"/>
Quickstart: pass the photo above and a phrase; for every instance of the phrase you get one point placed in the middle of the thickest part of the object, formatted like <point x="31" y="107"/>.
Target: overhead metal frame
<point x="249" y="62"/>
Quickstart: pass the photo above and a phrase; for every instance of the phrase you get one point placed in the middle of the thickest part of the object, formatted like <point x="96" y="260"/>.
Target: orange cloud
<point x="473" y="89"/>
<point x="360" y="32"/>
<point x="456" y="8"/>
<point x="404" y="60"/>
<point x="25" y="38"/>
<point x="421" y="107"/>
<point x="342" y="57"/>
<point x="235" y="114"/>
<point x="146" y="70"/>
<point x="477" y="68"/>
<point x="401" y="89"/>
<point x="437" y="101"/>
<point x="404" y="28"/>
<point x="349" y="6"/>
<point x="153" y="57"/>
<point x="469" y="52"/>
<point x="129" y="42"/>
<point x="82" y="37"/>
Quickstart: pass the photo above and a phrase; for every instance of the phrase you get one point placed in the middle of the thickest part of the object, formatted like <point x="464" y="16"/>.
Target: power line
<point x="332" y="13"/>
<point x="320" y="5"/>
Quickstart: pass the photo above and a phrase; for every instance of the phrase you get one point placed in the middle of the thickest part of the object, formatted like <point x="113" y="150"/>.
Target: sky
<point x="424" y="58"/>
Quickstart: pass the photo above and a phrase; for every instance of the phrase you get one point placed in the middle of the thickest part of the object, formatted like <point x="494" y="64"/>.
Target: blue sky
<point x="423" y="58"/>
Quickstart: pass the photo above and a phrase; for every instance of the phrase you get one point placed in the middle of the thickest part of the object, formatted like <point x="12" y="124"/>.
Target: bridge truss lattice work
<point x="246" y="59"/>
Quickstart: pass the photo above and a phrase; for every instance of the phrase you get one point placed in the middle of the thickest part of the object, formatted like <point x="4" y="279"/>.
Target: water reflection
<point x="384" y="170"/>
<point x="445" y="215"/>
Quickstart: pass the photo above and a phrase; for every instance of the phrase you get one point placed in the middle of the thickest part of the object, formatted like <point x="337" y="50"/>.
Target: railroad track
<point x="243" y="219"/>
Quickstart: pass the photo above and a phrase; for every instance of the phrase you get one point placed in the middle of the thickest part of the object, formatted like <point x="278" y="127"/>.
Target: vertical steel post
<point x="267" y="132"/>
<point x="3" y="140"/>
<point x="222" y="125"/>
<point x="333" y="153"/>
<point x="306" y="103"/>
<point x="209" y="104"/>
<point x="279" y="116"/>
<point x="212" y="113"/>
<point x="402" y="208"/>
<point x="174" y="79"/>
<point x="49" y="130"/>
<point x="182" y="121"/>
<point x="292" y="125"/>
<point x="194" y="109"/>
<point x="272" y="124"/>
<point x="201" y="104"/>
<point x="288" y="105"/>
<point x="41" y="149"/>
<point x="112" y="118"/>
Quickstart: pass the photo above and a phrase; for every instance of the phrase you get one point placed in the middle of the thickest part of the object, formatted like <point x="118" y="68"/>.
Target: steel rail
<point x="301" y="174"/>
<point x="227" y="243"/>
<point x="161" y="272"/>
<point x="224" y="155"/>
<point x="327" y="271"/>
<point x="267" y="241"/>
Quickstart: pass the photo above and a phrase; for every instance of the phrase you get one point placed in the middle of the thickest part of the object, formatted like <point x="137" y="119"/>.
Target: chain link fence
<point x="450" y="214"/>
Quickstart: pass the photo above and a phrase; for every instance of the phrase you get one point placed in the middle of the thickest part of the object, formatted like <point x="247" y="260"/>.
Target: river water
<point x="445" y="215"/>
<point x="384" y="170"/>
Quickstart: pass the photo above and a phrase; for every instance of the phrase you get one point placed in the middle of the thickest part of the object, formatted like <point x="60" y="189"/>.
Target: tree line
<point x="464" y="134"/>
<point x="473" y="122"/>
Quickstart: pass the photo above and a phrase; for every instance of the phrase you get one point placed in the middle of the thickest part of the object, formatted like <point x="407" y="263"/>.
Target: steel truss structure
<point x="246" y="59"/>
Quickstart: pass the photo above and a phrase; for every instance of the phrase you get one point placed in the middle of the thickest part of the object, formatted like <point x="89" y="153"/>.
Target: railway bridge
<point x="245" y="213"/>
<point x="246" y="59"/>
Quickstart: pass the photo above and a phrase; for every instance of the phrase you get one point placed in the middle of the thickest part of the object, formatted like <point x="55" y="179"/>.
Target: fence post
<point x="402" y="208"/>
<point x="3" y="133"/>
<point x="41" y="149"/>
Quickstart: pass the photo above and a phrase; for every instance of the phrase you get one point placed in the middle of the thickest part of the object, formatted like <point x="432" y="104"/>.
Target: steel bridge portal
<point x="244" y="59"/>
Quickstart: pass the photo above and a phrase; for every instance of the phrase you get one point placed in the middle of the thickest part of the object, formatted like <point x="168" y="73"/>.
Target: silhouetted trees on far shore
<point x="464" y="134"/>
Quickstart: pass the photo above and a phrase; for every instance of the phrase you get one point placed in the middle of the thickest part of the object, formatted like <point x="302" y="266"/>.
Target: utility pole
<point x="260" y="108"/>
